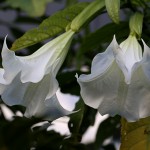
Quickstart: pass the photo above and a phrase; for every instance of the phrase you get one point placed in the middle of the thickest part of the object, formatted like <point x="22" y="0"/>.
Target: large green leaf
<point x="50" y="27"/>
<point x="135" y="135"/>
<point x="32" y="7"/>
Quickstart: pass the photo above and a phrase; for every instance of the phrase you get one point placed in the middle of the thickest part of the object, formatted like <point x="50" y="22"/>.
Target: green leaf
<point x="75" y="121"/>
<point x="104" y="34"/>
<point x="113" y="7"/>
<point x="81" y="120"/>
<point x="32" y="7"/>
<point x="50" y="27"/>
<point x="135" y="135"/>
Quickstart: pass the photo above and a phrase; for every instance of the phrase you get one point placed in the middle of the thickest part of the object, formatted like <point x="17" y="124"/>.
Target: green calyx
<point x="136" y="24"/>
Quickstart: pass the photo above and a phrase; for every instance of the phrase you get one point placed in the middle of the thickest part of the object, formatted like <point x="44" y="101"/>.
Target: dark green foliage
<point x="108" y="128"/>
<point x="104" y="34"/>
<point x="68" y="82"/>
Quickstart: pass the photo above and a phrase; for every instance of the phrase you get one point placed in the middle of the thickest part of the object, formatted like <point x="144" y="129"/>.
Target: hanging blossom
<point x="119" y="82"/>
<point x="30" y="81"/>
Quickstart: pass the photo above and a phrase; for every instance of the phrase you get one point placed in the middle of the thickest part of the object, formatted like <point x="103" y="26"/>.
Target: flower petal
<point x="10" y="63"/>
<point x="119" y="58"/>
<point x="2" y="81"/>
<point x="18" y="93"/>
<point x="132" y="51"/>
<point x="146" y="54"/>
<point x="39" y="63"/>
<point x="14" y="92"/>
<point x="146" y="61"/>
<point x="102" y="61"/>
<point x="102" y="92"/>
<point x="48" y="110"/>
<point x="127" y="55"/>
<point x="100" y="88"/>
<point x="35" y="66"/>
<point x="138" y="103"/>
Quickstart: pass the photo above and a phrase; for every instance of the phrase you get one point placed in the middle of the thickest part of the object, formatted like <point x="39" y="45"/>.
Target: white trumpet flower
<point x="119" y="82"/>
<point x="30" y="81"/>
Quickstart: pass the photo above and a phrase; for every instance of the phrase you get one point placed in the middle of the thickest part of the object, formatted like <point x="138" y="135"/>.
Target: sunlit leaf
<point x="135" y="135"/>
<point x="32" y="7"/>
<point x="50" y="27"/>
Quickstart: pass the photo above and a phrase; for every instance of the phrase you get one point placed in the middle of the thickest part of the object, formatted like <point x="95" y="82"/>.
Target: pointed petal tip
<point x="76" y="76"/>
<point x="6" y="36"/>
<point x="114" y="39"/>
<point x="146" y="53"/>
<point x="5" y="47"/>
<point x="115" y="45"/>
<point x="145" y="45"/>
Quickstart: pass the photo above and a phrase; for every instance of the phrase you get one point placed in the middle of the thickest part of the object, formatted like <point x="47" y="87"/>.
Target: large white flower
<point x="30" y="81"/>
<point x="119" y="82"/>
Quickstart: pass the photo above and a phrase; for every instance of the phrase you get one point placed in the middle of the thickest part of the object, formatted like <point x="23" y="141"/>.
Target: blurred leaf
<point x="47" y="140"/>
<point x="141" y="3"/>
<point x="16" y="135"/>
<point x="135" y="135"/>
<point x="88" y="119"/>
<point x="32" y="7"/>
<point x="113" y="8"/>
<point x="106" y="129"/>
<point x="50" y="27"/>
<point x="76" y="120"/>
<point x="104" y="34"/>
<point x="81" y="120"/>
